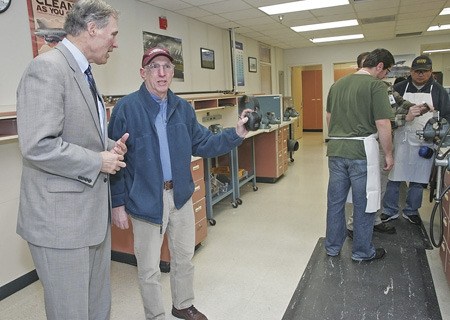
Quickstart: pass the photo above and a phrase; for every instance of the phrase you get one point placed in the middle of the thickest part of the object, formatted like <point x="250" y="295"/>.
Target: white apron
<point x="373" y="185"/>
<point x="409" y="166"/>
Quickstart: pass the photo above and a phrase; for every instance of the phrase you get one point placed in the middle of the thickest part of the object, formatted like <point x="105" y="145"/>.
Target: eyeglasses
<point x="421" y="71"/>
<point x="388" y="70"/>
<point x="155" y="67"/>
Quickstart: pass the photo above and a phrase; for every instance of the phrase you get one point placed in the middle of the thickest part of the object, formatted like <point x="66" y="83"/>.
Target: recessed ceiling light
<point x="445" y="11"/>
<point x="301" y="6"/>
<point x="439" y="27"/>
<point x="326" y="25"/>
<point x="338" y="38"/>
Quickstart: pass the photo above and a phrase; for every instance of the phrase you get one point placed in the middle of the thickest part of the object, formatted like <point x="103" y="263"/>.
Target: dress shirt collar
<point x="77" y="54"/>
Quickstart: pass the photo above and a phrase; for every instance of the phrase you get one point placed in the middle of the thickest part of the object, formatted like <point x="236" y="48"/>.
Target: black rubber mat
<point x="407" y="234"/>
<point x="398" y="287"/>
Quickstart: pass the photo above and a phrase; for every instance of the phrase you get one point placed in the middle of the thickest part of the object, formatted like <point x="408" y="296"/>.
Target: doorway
<point x="312" y="98"/>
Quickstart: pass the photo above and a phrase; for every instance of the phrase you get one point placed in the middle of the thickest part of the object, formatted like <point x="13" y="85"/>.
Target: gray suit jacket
<point x="64" y="198"/>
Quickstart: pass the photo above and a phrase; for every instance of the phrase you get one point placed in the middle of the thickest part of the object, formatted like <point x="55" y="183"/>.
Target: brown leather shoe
<point x="190" y="313"/>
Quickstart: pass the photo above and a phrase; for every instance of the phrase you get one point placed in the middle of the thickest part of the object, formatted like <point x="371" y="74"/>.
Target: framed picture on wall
<point x="207" y="58"/>
<point x="252" y="64"/>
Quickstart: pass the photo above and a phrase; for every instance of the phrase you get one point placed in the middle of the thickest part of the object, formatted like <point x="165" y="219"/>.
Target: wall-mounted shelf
<point x="8" y="125"/>
<point x="205" y="103"/>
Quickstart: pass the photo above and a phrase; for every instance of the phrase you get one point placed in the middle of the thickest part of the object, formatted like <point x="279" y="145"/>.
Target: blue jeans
<point x="413" y="198"/>
<point x="346" y="173"/>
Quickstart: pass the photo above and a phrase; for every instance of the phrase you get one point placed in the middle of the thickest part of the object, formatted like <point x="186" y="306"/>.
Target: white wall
<point x="327" y="56"/>
<point x="119" y="76"/>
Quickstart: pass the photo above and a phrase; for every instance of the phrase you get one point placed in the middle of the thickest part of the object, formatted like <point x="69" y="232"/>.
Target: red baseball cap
<point x="152" y="53"/>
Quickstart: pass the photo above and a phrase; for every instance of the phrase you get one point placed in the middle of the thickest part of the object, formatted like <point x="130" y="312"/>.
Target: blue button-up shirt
<point x="161" y="123"/>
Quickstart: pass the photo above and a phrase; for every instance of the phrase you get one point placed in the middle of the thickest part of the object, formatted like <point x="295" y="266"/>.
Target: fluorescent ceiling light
<point x="436" y="50"/>
<point x="301" y="6"/>
<point x="439" y="27"/>
<point x="338" y="38"/>
<point x="327" y="25"/>
<point x="445" y="11"/>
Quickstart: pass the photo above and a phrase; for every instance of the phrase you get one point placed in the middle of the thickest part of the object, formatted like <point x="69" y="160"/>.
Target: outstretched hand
<point x="241" y="130"/>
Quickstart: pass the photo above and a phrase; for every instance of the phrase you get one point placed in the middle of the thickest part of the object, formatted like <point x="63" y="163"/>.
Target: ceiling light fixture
<point x="301" y="6"/>
<point x="338" y="38"/>
<point x="436" y="50"/>
<point x="439" y="27"/>
<point x="445" y="11"/>
<point x="326" y="25"/>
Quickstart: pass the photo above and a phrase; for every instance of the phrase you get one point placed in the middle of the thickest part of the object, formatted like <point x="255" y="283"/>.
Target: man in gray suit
<point x="67" y="158"/>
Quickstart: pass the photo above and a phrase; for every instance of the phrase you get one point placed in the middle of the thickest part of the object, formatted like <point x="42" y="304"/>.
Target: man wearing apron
<point x="357" y="108"/>
<point x="379" y="226"/>
<point x="419" y="88"/>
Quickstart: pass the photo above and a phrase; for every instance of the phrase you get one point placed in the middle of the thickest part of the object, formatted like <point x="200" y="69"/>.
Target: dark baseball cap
<point x="152" y="53"/>
<point x="422" y="63"/>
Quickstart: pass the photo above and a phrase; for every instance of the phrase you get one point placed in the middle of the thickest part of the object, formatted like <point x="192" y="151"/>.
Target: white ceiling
<point x="378" y="19"/>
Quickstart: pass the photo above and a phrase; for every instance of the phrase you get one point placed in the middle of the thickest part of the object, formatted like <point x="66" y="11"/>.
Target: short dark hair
<point x="361" y="58"/>
<point x="377" y="56"/>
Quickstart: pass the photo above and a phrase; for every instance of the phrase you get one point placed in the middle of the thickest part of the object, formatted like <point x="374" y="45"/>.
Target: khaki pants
<point x="180" y="228"/>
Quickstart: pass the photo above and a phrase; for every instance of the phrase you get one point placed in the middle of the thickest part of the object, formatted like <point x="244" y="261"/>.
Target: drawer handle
<point x="196" y="167"/>
<point x="196" y="188"/>
<point x="198" y="208"/>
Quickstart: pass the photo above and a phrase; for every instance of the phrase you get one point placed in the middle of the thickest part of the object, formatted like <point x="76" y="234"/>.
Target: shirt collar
<point x="81" y="60"/>
<point x="158" y="99"/>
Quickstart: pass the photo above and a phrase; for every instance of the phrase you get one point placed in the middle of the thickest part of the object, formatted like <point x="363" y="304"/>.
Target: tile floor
<point x="252" y="259"/>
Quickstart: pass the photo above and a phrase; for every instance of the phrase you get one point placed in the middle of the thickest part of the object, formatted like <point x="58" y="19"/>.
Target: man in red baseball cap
<point x="156" y="189"/>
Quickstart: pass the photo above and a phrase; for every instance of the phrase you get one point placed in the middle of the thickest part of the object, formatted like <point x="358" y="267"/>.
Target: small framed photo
<point x="207" y="58"/>
<point x="252" y="64"/>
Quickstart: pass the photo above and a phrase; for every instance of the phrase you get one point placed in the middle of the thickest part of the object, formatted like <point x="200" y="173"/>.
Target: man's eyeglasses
<point x="421" y="71"/>
<point x="154" y="67"/>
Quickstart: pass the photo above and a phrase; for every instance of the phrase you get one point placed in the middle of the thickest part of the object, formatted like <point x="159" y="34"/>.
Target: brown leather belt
<point x="168" y="185"/>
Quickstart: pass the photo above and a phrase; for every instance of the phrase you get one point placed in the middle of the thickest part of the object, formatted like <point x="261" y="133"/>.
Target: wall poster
<point x="46" y="23"/>
<point x="174" y="46"/>
<point x="239" y="62"/>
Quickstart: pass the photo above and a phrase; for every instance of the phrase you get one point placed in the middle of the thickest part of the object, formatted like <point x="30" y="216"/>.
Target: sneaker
<point x="379" y="254"/>
<point x="384" y="228"/>
<point x="414" y="219"/>
<point x="190" y="313"/>
<point x="385" y="218"/>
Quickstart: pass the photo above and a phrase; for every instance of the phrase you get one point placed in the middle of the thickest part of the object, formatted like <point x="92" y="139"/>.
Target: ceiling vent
<point x="410" y="34"/>
<point x="377" y="19"/>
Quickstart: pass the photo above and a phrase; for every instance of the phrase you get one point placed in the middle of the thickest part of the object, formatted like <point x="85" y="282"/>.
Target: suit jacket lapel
<point x="80" y="79"/>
